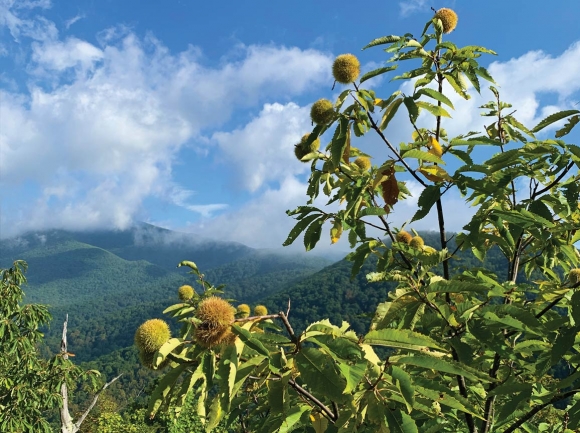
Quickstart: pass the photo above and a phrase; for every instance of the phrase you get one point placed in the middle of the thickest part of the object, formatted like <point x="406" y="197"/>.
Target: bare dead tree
<point x="66" y="421"/>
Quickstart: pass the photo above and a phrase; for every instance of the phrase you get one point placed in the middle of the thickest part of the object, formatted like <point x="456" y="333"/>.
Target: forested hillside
<point x="109" y="281"/>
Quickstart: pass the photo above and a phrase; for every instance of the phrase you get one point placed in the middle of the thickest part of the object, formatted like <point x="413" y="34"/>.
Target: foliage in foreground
<point x="472" y="352"/>
<point x="30" y="386"/>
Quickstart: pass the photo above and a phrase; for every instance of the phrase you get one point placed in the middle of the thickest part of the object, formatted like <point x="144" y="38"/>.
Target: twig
<point x="538" y="408"/>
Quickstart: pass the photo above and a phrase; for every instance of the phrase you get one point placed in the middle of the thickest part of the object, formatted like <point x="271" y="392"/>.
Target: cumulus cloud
<point x="100" y="127"/>
<point x="262" y="151"/>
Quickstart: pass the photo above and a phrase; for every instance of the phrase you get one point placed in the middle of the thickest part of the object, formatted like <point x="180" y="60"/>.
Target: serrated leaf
<point x="427" y="199"/>
<point x="353" y="374"/>
<point x="442" y="365"/>
<point x="412" y="108"/>
<point x="382" y="40"/>
<point x="422" y="155"/>
<point x="317" y="369"/>
<point x="573" y="121"/>
<point x="376" y="72"/>
<point x="435" y="95"/>
<point x="250" y="341"/>
<point x="435" y="110"/>
<point x="400" y="422"/>
<point x="377" y="211"/>
<point x="166" y="349"/>
<point x="453" y="286"/>
<point x="403" y="383"/>
<point x="313" y="232"/>
<point x="402" y="339"/>
<point x="163" y="389"/>
<point x="390" y="112"/>
<point x="456" y="86"/>
<point x="552" y="118"/>
<point x="299" y="228"/>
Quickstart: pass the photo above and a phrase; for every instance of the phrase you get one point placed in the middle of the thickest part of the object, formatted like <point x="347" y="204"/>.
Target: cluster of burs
<point x="212" y="327"/>
<point x="345" y="70"/>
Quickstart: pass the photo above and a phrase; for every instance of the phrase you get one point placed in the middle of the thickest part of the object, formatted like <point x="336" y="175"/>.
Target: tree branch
<point x="538" y="408"/>
<point x="95" y="398"/>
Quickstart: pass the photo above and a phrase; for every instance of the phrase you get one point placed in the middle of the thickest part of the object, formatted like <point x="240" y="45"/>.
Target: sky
<point x="184" y="114"/>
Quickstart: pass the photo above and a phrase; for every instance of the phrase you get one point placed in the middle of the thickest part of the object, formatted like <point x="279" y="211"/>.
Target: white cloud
<point x="14" y="16"/>
<point x="99" y="141"/>
<point x="58" y="56"/>
<point x="180" y="197"/>
<point x="262" y="222"/>
<point x="409" y="7"/>
<point x="262" y="151"/>
<point x="73" y="20"/>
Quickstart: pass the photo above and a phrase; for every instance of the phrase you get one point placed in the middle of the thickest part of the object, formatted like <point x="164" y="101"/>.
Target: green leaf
<point x="298" y="228"/>
<point x="435" y="95"/>
<point x="312" y="234"/>
<point x="163" y="388"/>
<point x="402" y="339"/>
<point x="573" y="121"/>
<point x="442" y="365"/>
<point x="293" y="418"/>
<point x="250" y="341"/>
<point x="378" y="211"/>
<point x="352" y="373"/>
<point x="412" y="108"/>
<point x="455" y="86"/>
<point x="227" y="370"/>
<point x="400" y="422"/>
<point x="444" y="396"/>
<point x="427" y="199"/>
<point x="318" y="371"/>
<point x="435" y="110"/>
<point x="454" y="286"/>
<point x="339" y="141"/>
<point x="382" y="40"/>
<point x="403" y="383"/>
<point x="390" y="112"/>
<point x="424" y="156"/>
<point x="166" y="349"/>
<point x="553" y="118"/>
<point x="376" y="72"/>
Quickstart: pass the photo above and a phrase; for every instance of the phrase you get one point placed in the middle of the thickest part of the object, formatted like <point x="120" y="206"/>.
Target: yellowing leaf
<point x="434" y="173"/>
<point x="319" y="422"/>
<point x="336" y="231"/>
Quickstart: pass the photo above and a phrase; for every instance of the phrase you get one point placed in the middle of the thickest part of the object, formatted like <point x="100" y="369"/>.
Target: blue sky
<point x="184" y="114"/>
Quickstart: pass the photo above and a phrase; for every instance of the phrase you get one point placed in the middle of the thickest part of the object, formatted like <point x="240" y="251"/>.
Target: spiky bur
<point x="243" y="311"/>
<point x="434" y="147"/>
<point x="216" y="316"/>
<point x="417" y="242"/>
<point x="260" y="310"/>
<point x="448" y="18"/>
<point x="185" y="293"/>
<point x="363" y="163"/>
<point x="574" y="276"/>
<point x="404" y="237"/>
<point x="302" y="149"/>
<point x="148" y="360"/>
<point x="322" y="112"/>
<point x="346" y="68"/>
<point x="151" y="335"/>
